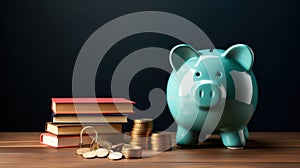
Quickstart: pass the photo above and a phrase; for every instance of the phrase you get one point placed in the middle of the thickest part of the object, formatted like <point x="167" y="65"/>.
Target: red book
<point x="92" y="106"/>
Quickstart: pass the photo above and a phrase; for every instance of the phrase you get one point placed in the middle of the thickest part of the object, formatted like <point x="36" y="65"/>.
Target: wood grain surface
<point x="264" y="149"/>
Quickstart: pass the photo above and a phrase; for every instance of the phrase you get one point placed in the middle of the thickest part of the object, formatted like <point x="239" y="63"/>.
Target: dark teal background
<point x="40" y="41"/>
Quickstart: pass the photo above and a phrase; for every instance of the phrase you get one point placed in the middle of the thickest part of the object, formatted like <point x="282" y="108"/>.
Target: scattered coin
<point x="115" y="155"/>
<point x="102" y="152"/>
<point x="89" y="155"/>
<point x="81" y="151"/>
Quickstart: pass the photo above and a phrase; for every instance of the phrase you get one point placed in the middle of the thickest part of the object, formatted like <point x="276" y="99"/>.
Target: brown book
<point x="88" y="119"/>
<point x="60" y="141"/>
<point x="75" y="129"/>
<point x="92" y="106"/>
<point x="72" y="141"/>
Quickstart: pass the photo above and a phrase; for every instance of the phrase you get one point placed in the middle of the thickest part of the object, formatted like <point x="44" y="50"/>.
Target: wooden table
<point x="264" y="149"/>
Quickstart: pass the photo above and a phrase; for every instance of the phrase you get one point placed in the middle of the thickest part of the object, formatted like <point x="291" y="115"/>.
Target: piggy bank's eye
<point x="198" y="74"/>
<point x="218" y="74"/>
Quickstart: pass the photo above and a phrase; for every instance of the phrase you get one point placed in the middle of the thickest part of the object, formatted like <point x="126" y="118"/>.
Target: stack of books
<point x="70" y="115"/>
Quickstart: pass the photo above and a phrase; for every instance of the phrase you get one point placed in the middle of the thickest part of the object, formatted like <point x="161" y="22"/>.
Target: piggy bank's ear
<point x="180" y="54"/>
<point x="242" y="54"/>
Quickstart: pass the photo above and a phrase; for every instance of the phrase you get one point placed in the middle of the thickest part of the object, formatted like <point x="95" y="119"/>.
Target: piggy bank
<point x="212" y="92"/>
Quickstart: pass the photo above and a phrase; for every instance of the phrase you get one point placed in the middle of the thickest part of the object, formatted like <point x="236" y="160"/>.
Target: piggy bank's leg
<point x="234" y="140"/>
<point x="185" y="137"/>
<point x="246" y="133"/>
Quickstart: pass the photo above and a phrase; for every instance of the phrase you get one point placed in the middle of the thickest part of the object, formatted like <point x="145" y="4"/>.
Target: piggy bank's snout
<point x="207" y="94"/>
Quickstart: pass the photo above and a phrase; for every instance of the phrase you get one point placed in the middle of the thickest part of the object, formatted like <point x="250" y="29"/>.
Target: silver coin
<point x="81" y="151"/>
<point x="102" y="152"/>
<point x="89" y="155"/>
<point x="131" y="151"/>
<point x="130" y="147"/>
<point x="115" y="156"/>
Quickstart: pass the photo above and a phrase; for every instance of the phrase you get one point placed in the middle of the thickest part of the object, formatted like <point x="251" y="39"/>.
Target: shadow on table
<point x="216" y="142"/>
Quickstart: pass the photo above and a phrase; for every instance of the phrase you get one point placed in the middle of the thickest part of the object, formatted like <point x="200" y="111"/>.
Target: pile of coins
<point x="161" y="141"/>
<point x="100" y="149"/>
<point x="142" y="138"/>
<point x="87" y="153"/>
<point x="141" y="132"/>
<point x="127" y="150"/>
<point x="131" y="151"/>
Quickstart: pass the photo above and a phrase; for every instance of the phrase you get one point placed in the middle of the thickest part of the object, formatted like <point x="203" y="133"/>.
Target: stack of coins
<point x="141" y="132"/>
<point x="131" y="151"/>
<point x="161" y="141"/>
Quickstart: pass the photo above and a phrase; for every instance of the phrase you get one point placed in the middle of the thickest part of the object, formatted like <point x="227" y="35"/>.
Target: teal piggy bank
<point x="212" y="92"/>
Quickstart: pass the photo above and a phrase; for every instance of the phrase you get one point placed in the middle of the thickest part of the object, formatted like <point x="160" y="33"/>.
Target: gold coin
<point x="161" y="141"/>
<point x="143" y="125"/>
<point x="132" y="151"/>
<point x="141" y="129"/>
<point x="140" y="142"/>
<point x="143" y="120"/>
<point x="131" y="156"/>
<point x="155" y="135"/>
<point x="137" y="136"/>
<point x="130" y="147"/>
<point x="142" y="133"/>
<point x="161" y="134"/>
